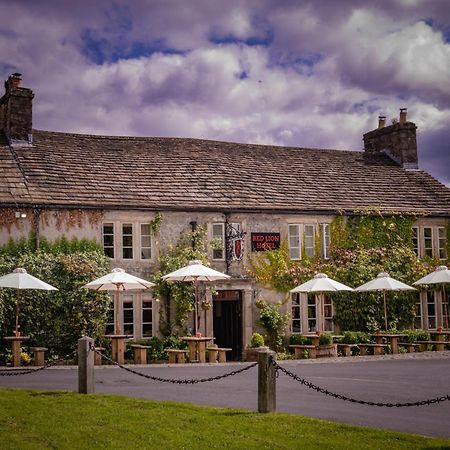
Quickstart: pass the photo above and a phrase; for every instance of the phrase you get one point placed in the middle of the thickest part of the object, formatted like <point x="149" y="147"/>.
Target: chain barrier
<point x="169" y="380"/>
<point x="16" y="371"/>
<point x="314" y="387"/>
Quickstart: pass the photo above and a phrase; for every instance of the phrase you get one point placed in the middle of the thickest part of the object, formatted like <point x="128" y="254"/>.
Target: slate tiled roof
<point x="188" y="174"/>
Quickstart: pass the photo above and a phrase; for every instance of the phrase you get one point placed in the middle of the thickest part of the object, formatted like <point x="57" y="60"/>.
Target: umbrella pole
<point x="445" y="307"/>
<point x="196" y="307"/>
<point x="116" y="311"/>
<point x="385" y="311"/>
<point x="17" y="333"/>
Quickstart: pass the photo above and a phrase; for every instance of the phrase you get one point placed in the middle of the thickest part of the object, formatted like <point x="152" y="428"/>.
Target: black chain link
<point x="169" y="380"/>
<point x="16" y="371"/>
<point x="310" y="385"/>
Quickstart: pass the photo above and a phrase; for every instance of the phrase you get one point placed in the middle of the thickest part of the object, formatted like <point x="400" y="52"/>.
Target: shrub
<point x="416" y="335"/>
<point x="257" y="340"/>
<point x="355" y="337"/>
<point x="298" y="339"/>
<point x="325" y="339"/>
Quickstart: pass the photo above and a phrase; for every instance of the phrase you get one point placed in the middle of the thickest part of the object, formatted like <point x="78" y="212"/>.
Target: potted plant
<point x="256" y="346"/>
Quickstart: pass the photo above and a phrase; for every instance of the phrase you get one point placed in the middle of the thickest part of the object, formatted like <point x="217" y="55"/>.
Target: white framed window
<point x="309" y="231"/>
<point x="431" y="310"/>
<point x="328" y="313"/>
<point x="326" y="241"/>
<point x="427" y="241"/>
<point x="445" y="309"/>
<point x="127" y="241"/>
<point x="312" y="313"/>
<point x="296" y="315"/>
<point x="415" y="240"/>
<point x="294" y="242"/>
<point x="218" y="236"/>
<point x="146" y="241"/>
<point x="441" y="243"/>
<point x="108" y="239"/>
<point x="128" y="315"/>
<point x="147" y="317"/>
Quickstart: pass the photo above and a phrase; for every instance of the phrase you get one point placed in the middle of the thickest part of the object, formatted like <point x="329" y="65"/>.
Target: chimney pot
<point x="381" y="121"/>
<point x="403" y="112"/>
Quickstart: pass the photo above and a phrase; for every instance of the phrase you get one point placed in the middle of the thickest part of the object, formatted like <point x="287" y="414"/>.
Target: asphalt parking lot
<point x="399" y="379"/>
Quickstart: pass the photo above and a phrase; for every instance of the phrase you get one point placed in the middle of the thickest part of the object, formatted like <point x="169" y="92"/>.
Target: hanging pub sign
<point x="235" y="242"/>
<point x="265" y="241"/>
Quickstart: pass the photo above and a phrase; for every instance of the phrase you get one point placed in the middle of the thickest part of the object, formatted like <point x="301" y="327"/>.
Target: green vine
<point x="155" y="224"/>
<point x="191" y="246"/>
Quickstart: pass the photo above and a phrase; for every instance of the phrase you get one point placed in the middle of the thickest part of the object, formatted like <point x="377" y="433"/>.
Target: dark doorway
<point x="227" y="322"/>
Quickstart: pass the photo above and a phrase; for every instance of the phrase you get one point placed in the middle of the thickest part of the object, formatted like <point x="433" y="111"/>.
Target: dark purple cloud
<point x="300" y="73"/>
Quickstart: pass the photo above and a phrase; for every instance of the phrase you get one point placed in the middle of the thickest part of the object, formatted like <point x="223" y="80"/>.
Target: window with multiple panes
<point x="147" y="317"/>
<point x="108" y="239"/>
<point x="146" y="241"/>
<point x="441" y="243"/>
<point x="309" y="239"/>
<point x="327" y="313"/>
<point x="127" y="241"/>
<point x="325" y="241"/>
<point x="128" y="315"/>
<point x="415" y="240"/>
<point x="431" y="310"/>
<point x="445" y="309"/>
<point x="312" y="313"/>
<point x="428" y="241"/>
<point x="296" y="314"/>
<point x="218" y="235"/>
<point x="294" y="242"/>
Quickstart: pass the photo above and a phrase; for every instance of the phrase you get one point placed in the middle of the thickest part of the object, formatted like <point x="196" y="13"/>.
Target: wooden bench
<point x="300" y="348"/>
<point x="176" y="355"/>
<point x="98" y="355"/>
<point x="410" y="346"/>
<point x="216" y="354"/>
<point x="140" y="353"/>
<point x="346" y="348"/>
<point x="378" y="349"/>
<point x="39" y="356"/>
<point x="440" y="345"/>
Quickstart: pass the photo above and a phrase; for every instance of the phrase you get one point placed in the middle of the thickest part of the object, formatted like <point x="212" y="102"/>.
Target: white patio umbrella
<point x="195" y="272"/>
<point x="118" y="280"/>
<point x="319" y="285"/>
<point x="19" y="279"/>
<point x="440" y="276"/>
<point x="383" y="282"/>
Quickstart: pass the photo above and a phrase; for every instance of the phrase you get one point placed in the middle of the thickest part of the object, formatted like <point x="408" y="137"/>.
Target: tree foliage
<point x="55" y="319"/>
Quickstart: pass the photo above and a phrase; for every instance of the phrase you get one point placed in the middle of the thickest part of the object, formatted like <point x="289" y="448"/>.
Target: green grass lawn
<point x="64" y="420"/>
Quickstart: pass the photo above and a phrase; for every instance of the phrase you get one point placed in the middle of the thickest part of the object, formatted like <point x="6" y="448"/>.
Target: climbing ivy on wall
<point x="361" y="247"/>
<point x="191" y="245"/>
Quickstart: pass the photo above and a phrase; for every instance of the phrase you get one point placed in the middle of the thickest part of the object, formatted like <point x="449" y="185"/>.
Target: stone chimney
<point x="398" y="141"/>
<point x="16" y="111"/>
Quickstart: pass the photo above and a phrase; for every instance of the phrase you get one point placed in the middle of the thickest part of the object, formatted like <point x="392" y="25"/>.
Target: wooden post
<point x="266" y="382"/>
<point x="86" y="381"/>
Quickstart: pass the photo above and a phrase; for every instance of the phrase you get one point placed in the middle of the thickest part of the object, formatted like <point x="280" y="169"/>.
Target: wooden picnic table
<point x="117" y="346"/>
<point x="16" y="342"/>
<point x="392" y="338"/>
<point x="197" y="347"/>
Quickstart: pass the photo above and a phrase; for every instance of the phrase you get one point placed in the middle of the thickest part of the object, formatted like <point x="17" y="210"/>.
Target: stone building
<point x="111" y="188"/>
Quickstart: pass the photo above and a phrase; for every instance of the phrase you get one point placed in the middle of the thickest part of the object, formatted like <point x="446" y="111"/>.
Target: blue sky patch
<point x="100" y="50"/>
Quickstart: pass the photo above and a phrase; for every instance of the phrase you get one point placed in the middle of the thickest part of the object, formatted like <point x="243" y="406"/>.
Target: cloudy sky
<point x="297" y="73"/>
